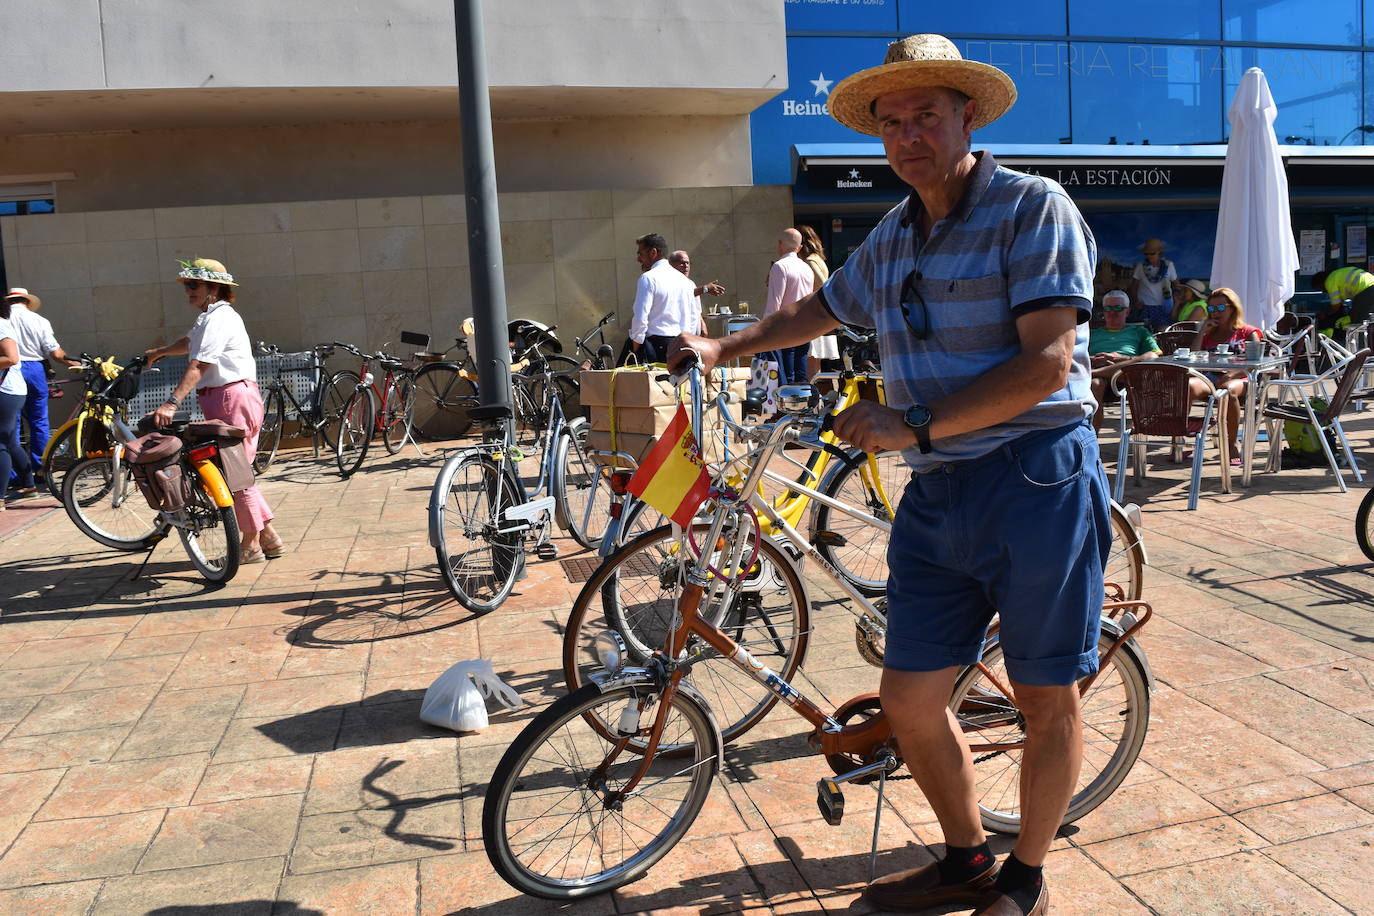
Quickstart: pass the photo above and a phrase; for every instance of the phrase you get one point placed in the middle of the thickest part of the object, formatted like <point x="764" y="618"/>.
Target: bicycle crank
<point x="829" y="795"/>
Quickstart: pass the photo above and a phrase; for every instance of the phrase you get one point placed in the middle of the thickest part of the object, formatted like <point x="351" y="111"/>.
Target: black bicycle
<point x="318" y="416"/>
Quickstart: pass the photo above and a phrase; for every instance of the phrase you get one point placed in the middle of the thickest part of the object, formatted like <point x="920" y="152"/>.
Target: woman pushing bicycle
<point x="224" y="376"/>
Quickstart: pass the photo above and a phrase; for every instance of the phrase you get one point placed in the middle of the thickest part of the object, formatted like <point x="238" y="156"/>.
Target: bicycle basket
<point x="126" y="384"/>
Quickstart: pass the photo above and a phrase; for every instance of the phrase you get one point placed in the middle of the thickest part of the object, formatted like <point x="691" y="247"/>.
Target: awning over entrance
<point x="1096" y="176"/>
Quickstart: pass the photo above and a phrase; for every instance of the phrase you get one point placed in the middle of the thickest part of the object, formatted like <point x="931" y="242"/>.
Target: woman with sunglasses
<point x="1225" y="324"/>
<point x="224" y="376"/>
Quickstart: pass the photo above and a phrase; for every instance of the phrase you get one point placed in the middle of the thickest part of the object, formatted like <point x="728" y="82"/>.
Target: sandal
<point x="1235" y="462"/>
<point x="252" y="556"/>
<point x="273" y="550"/>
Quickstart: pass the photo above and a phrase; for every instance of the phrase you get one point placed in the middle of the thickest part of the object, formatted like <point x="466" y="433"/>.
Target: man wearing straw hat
<point x="36" y="344"/>
<point x="979" y="285"/>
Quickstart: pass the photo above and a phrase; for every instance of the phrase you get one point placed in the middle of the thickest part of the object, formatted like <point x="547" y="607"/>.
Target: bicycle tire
<point x="544" y="802"/>
<point x="333" y="397"/>
<point x="583" y="506"/>
<point x="1116" y="716"/>
<point x="1362" y="532"/>
<point x="479" y="565"/>
<point x="214" y="547"/>
<point x="1126" y="563"/>
<point x="634" y="592"/>
<point x="442" y="400"/>
<point x="397" y="412"/>
<point x="61" y="453"/>
<point x="87" y="495"/>
<point x="355" y="432"/>
<point x="269" y="436"/>
<point x="861" y="559"/>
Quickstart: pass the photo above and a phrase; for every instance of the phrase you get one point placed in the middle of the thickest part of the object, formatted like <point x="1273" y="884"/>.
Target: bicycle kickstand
<point x="830" y="797"/>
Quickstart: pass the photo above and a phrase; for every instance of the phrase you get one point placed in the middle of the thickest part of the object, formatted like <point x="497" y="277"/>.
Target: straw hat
<point x="1198" y="287"/>
<point x="207" y="269"/>
<point x="1153" y="246"/>
<point x="18" y="292"/>
<point x="917" y="62"/>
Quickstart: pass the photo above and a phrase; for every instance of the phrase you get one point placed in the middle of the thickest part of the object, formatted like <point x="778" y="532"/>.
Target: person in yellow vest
<point x="1347" y="285"/>
<point x="1190" y="301"/>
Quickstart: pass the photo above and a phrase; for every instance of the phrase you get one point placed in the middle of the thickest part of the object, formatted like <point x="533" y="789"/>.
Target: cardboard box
<point x="648" y="387"/>
<point x="648" y="421"/>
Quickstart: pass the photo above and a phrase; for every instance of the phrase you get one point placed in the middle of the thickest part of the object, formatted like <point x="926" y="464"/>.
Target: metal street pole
<point x="484" y="220"/>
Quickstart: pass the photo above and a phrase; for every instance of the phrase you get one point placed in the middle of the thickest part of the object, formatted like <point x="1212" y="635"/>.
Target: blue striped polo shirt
<point x="1013" y="241"/>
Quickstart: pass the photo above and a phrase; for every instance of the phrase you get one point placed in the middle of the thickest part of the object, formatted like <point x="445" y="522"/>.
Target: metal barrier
<point x="156" y="387"/>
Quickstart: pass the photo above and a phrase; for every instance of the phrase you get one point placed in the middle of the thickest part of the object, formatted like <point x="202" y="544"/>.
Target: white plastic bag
<point x="456" y="699"/>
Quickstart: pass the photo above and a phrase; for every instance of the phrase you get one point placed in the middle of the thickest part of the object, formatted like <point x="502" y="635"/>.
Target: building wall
<point x="195" y="167"/>
<point x="361" y="270"/>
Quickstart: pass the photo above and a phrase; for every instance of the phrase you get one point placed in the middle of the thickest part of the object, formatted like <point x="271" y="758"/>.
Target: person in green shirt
<point x="1115" y="345"/>
<point x="1350" y="283"/>
<point x="1190" y="301"/>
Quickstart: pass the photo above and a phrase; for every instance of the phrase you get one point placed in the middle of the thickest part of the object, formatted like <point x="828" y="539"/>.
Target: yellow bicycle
<point x="89" y="432"/>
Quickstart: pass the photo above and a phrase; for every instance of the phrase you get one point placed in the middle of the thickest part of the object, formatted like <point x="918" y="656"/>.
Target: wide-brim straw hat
<point x="1198" y="287"/>
<point x="207" y="269"/>
<point x="18" y="292"/>
<point x="1153" y="245"/>
<point x="917" y="62"/>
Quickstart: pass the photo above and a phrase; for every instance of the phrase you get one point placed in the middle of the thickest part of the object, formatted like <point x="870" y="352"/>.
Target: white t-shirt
<point x="1159" y="292"/>
<point x="14" y="378"/>
<point x="33" y="331"/>
<point x="218" y="337"/>
<point x="665" y="303"/>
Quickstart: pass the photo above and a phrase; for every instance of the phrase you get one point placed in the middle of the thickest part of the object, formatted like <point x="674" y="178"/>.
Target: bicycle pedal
<point x="546" y="552"/>
<point x="830" y="801"/>
<point x="829" y="539"/>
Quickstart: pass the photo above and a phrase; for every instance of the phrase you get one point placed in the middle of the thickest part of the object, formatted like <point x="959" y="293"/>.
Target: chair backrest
<point x="1350" y="377"/>
<point x="1184" y="326"/>
<point x="1287" y="323"/>
<point x="1158" y="399"/>
<point x="1171" y="340"/>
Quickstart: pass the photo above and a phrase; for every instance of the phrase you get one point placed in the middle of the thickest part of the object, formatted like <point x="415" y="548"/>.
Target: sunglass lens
<point x="192" y="285"/>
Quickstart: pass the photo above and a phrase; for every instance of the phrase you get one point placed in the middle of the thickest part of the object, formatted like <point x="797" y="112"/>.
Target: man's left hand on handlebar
<point x="874" y="427"/>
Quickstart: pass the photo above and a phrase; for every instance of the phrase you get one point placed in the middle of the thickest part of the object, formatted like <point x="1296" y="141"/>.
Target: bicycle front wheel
<point x="335" y="395"/>
<point x="110" y="511"/>
<point x="584" y="493"/>
<point x="480" y="553"/>
<point x="635" y="593"/>
<point x="442" y="400"/>
<point x="397" y="412"/>
<point x="856" y="549"/>
<point x="269" y="437"/>
<point x="555" y="823"/>
<point x="1126" y="564"/>
<point x="212" y="541"/>
<point x="355" y="432"/>
<point x="1116" y="715"/>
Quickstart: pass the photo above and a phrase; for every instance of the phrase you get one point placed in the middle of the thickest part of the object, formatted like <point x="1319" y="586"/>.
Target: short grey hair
<point x="1116" y="295"/>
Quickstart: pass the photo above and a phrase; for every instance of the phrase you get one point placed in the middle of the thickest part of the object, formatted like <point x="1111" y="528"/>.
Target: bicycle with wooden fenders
<point x="607" y="780"/>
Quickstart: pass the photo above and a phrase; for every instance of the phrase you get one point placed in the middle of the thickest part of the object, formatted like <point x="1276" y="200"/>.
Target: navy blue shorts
<point x="1022" y="532"/>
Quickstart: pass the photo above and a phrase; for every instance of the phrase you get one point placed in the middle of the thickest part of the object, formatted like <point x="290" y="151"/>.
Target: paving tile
<point x="233" y="889"/>
<point x="1313" y="728"/>
<point x="21" y="794"/>
<point x="1182" y="658"/>
<point x="182" y="722"/>
<point x="249" y="828"/>
<point x="77" y="711"/>
<point x="72" y="850"/>
<point x="370" y="777"/>
<point x="239" y="656"/>
<point x="1244" y="882"/>
<point x="1346" y="684"/>
<point x="1179" y="844"/>
<point x="183" y="620"/>
<point x="142" y="646"/>
<point x="1266" y="792"/>
<point x="1359" y="795"/>
<point x="381" y="890"/>
<point x="388" y="723"/>
<point x="254" y="779"/>
<point x="1142" y="807"/>
<point x="1260" y="639"/>
<point x="1079" y="887"/>
<point x="370" y="836"/>
<point x="54" y="653"/>
<point x="706" y="875"/>
<point x="119" y="788"/>
<point x="71" y="899"/>
<point x="13" y="709"/>
<point x="1360" y="774"/>
<point x="125" y="672"/>
<point x="37" y="681"/>
<point x="294" y="696"/>
<point x="1304" y="817"/>
<point x="42" y="752"/>
<point x="465" y="883"/>
<point x="250" y="739"/>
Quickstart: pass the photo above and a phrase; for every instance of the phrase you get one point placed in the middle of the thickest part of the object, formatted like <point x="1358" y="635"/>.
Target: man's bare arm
<point x="801" y="322"/>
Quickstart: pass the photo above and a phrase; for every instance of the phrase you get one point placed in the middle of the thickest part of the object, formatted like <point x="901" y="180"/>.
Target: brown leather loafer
<point x="919" y="888"/>
<point x="1002" y="905"/>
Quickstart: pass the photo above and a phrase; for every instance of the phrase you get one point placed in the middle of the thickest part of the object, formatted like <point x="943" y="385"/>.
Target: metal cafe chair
<point x="1156" y="401"/>
<point x="1171" y="340"/>
<point x="1190" y="326"/>
<point x="1347" y="375"/>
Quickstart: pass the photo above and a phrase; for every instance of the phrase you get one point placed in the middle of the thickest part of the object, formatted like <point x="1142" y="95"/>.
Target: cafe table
<point x="1255" y="370"/>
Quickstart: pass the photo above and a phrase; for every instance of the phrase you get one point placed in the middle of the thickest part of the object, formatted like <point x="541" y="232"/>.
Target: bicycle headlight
<point x="610" y="650"/>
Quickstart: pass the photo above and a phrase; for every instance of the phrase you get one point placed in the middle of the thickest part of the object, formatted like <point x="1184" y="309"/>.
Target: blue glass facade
<point x="1091" y="71"/>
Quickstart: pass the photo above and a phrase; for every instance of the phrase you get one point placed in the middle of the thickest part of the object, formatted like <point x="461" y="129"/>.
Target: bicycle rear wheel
<point x="855" y="548"/>
<point x="1126" y="564"/>
<point x="584" y="493"/>
<point x="1116" y="715"/>
<point x="89" y="496"/>
<point x="635" y="591"/>
<point x="1363" y="534"/>
<point x="355" y="432"/>
<point x="479" y="564"/>
<point x="442" y="400"/>
<point x="212" y="543"/>
<point x="269" y="437"/>
<point x="553" y="824"/>
<point x="567" y="387"/>
<point x="397" y="413"/>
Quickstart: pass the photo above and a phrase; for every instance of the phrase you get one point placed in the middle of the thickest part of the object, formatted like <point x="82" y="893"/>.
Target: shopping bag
<point x="764" y="374"/>
<point x="457" y="699"/>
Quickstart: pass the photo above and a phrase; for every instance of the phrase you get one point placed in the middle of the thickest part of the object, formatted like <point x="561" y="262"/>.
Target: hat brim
<point x="30" y="300"/>
<point x="851" y="101"/>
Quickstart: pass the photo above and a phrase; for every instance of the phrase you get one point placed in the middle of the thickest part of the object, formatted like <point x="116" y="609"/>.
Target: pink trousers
<point x="240" y="404"/>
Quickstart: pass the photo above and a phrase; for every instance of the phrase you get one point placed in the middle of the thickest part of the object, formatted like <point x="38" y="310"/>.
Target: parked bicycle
<point x="383" y="410"/>
<point x="317" y="416"/>
<point x="607" y="780"/>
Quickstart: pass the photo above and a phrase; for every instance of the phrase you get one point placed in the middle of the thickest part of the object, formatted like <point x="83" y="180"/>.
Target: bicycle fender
<point x="213" y="482"/>
<point x="605" y="681"/>
<point x="52" y="438"/>
<point x="1133" y="646"/>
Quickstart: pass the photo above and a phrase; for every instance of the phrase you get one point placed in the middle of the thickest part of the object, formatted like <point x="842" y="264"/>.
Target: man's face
<point x="684" y="265"/>
<point x="1114" y="314"/>
<point x="645" y="256"/>
<point x="924" y="133"/>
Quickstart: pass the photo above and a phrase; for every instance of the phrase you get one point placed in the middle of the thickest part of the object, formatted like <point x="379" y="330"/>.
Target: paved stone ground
<point x="170" y="748"/>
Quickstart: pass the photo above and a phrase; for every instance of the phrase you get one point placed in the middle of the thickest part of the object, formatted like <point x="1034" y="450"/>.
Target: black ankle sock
<point x="1020" y="882"/>
<point x="964" y="863"/>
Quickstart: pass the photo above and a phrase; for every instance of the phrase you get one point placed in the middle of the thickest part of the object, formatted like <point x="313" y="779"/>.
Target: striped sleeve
<point x="1053" y="253"/>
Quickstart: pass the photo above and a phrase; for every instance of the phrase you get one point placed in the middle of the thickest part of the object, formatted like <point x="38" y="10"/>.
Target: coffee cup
<point x="1182" y="353"/>
<point x="1254" y="349"/>
<point x="1223" y="349"/>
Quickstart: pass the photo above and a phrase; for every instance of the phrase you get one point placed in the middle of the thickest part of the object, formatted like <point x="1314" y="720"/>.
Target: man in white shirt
<point x="36" y="342"/>
<point x="665" y="302"/>
<point x="790" y="280"/>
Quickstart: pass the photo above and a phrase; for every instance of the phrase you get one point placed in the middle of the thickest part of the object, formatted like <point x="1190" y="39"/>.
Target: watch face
<point x="917" y="415"/>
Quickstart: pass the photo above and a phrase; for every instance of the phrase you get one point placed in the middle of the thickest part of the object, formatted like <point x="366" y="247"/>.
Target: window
<point x="1317" y="92"/>
<point x="1184" y="19"/>
<point x="1138" y="93"/>
<point x="1318" y="22"/>
<point x="1002" y="17"/>
<point x="1040" y="70"/>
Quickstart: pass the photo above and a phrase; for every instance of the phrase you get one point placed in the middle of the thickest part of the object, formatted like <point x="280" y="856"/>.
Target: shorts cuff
<point x="1051" y="672"/>
<point x="914" y="655"/>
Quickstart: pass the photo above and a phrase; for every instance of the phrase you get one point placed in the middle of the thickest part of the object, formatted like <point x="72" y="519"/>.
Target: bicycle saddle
<point x="485" y="412"/>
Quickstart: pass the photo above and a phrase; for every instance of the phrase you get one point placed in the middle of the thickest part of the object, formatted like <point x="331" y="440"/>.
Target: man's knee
<point x="918" y="699"/>
<point x="1048" y="709"/>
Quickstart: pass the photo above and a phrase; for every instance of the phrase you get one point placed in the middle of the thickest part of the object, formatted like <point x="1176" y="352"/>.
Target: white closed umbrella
<point x="1255" y="253"/>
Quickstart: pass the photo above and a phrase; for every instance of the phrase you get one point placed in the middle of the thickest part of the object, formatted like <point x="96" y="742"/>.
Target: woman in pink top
<point x="1225" y="324"/>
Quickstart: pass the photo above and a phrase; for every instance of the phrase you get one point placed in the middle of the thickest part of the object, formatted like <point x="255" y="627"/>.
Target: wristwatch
<point x="918" y="417"/>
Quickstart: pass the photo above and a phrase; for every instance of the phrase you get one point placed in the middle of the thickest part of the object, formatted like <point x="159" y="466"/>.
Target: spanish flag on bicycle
<point x="673" y="477"/>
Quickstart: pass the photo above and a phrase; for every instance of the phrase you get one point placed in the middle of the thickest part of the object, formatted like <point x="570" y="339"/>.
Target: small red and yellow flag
<point x="673" y="476"/>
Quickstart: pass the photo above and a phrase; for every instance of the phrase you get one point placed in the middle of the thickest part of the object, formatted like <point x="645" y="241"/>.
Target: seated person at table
<point x="1190" y="301"/>
<point x="1225" y="324"/>
<point x="1115" y="345"/>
